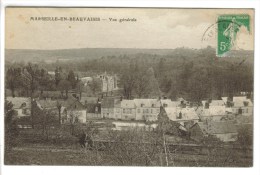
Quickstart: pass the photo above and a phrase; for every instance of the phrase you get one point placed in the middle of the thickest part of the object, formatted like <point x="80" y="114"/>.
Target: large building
<point x="109" y="82"/>
<point x="147" y="109"/>
<point x="143" y="109"/>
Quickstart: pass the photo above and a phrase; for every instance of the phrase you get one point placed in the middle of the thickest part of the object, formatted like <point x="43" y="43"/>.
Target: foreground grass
<point x="50" y="155"/>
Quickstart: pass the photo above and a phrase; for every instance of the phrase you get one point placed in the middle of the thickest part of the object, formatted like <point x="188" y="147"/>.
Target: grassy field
<point x="37" y="154"/>
<point x="62" y="148"/>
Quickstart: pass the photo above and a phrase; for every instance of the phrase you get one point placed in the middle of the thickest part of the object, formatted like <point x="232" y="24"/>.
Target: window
<point x="165" y="105"/>
<point x="123" y="110"/>
<point x="153" y="105"/>
<point x="138" y="110"/>
<point x="142" y="105"/>
<point x="151" y="111"/>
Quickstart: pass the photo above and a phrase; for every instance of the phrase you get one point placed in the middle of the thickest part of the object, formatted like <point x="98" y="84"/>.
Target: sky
<point x="153" y="28"/>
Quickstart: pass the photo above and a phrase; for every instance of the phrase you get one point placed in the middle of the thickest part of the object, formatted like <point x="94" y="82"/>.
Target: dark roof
<point x="108" y="102"/>
<point x="213" y="127"/>
<point x="72" y="103"/>
<point x="50" y="94"/>
<point x="87" y="100"/>
<point x="47" y="104"/>
<point x="91" y="107"/>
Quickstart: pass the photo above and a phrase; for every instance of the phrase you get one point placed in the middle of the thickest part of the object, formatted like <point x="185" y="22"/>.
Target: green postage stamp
<point x="228" y="28"/>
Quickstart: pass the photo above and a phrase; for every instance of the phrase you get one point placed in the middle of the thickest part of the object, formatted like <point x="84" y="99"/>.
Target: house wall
<point x="247" y="110"/>
<point x="80" y="114"/>
<point x="227" y="137"/>
<point x="23" y="112"/>
<point x="213" y="118"/>
<point x="128" y="114"/>
<point x="107" y="112"/>
<point x="93" y="115"/>
<point x="117" y="113"/>
<point x="147" y="113"/>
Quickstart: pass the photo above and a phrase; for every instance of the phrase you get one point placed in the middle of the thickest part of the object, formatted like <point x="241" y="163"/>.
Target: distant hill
<point x="16" y="55"/>
<point x="50" y="56"/>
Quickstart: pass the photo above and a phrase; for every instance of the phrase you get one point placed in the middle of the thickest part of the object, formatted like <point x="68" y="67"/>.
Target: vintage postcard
<point x="129" y="87"/>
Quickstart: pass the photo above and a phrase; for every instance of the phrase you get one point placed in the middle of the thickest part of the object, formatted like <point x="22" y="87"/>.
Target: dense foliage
<point x="188" y="73"/>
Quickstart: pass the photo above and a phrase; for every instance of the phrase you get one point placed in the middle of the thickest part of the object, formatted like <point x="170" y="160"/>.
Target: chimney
<point x="180" y="115"/>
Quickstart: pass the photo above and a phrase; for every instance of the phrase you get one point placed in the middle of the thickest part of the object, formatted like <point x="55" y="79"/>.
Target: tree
<point x="30" y="79"/>
<point x="72" y="79"/>
<point x="58" y="76"/>
<point x="134" y="147"/>
<point x="245" y="137"/>
<point x="152" y="84"/>
<point x="11" y="129"/>
<point x="141" y="85"/>
<point x="13" y="78"/>
<point x="95" y="85"/>
<point x="74" y="120"/>
<point x="128" y="82"/>
<point x="59" y="106"/>
<point x="166" y="126"/>
<point x="44" y="118"/>
<point x="64" y="86"/>
<point x="43" y="80"/>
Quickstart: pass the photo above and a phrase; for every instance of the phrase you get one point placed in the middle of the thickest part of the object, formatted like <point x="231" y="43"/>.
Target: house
<point x="109" y="82"/>
<point x="47" y="104"/>
<point x="51" y="105"/>
<point x="147" y="109"/>
<point x="22" y="105"/>
<point x="76" y="111"/>
<point x="117" y="109"/>
<point x="242" y="105"/>
<point x="107" y="107"/>
<point x="128" y="110"/>
<point x="207" y="103"/>
<point x="49" y="95"/>
<point x="224" y="131"/>
<point x="93" y="110"/>
<point x="86" y="80"/>
<point x="169" y="103"/>
<point x="215" y="113"/>
<point x="182" y="115"/>
<point x="89" y="100"/>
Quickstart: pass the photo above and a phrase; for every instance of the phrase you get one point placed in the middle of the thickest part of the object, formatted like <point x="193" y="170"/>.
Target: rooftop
<point x="214" y="127"/>
<point x="187" y="113"/>
<point x="19" y="102"/>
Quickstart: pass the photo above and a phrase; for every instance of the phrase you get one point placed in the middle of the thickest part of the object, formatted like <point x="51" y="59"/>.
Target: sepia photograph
<point x="147" y="87"/>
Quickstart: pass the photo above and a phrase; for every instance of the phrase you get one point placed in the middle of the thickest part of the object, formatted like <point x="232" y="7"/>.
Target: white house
<point x="147" y="109"/>
<point x="22" y="105"/>
<point x="128" y="110"/>
<point x="182" y="115"/>
<point x="242" y="105"/>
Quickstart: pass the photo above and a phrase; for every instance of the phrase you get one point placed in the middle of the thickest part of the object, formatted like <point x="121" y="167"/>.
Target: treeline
<point x="30" y="79"/>
<point x="191" y="74"/>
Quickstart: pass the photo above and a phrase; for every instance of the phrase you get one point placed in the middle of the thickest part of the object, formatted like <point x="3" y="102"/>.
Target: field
<point x="67" y="151"/>
<point x="46" y="155"/>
